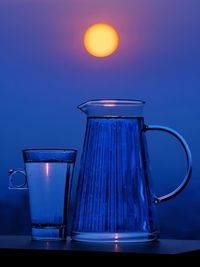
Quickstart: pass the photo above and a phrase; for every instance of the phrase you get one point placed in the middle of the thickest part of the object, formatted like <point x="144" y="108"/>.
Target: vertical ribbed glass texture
<point x="114" y="201"/>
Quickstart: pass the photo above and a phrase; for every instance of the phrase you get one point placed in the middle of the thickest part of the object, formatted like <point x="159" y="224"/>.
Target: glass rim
<point x="49" y="155"/>
<point x="50" y="150"/>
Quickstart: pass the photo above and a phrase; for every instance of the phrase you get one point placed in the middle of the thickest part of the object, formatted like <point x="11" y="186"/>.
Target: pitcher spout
<point x="84" y="107"/>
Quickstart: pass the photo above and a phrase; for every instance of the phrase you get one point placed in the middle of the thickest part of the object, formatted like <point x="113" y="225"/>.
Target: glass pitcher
<point x="115" y="201"/>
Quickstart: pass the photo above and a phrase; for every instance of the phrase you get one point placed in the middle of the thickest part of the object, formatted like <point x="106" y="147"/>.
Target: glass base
<point x="48" y="233"/>
<point x="115" y="237"/>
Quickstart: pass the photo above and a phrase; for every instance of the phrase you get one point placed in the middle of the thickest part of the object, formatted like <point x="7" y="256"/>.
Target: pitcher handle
<point x="11" y="174"/>
<point x="188" y="158"/>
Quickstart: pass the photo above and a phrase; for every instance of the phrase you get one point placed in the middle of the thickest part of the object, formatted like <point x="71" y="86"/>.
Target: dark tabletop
<point x="22" y="245"/>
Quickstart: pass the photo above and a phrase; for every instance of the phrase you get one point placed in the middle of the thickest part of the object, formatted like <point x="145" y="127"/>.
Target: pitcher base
<point x="48" y="233"/>
<point x="115" y="237"/>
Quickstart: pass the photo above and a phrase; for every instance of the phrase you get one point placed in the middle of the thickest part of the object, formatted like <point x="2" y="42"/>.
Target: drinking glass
<point x="48" y="177"/>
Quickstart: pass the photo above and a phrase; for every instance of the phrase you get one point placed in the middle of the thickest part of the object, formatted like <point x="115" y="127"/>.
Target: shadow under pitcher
<point x="48" y="176"/>
<point x="115" y="201"/>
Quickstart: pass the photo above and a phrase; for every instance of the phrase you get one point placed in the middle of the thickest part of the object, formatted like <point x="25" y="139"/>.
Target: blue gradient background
<point x="45" y="73"/>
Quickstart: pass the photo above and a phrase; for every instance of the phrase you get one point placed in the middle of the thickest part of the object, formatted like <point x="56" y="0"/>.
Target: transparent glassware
<point x="115" y="201"/>
<point x="48" y="176"/>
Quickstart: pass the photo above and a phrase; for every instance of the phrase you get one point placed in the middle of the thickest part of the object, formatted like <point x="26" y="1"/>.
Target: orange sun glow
<point x="101" y="40"/>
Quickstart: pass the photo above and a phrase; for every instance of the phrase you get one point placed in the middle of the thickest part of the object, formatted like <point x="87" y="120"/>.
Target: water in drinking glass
<point x="48" y="192"/>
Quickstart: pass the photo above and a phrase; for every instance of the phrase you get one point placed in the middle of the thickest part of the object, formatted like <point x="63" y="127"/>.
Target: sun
<point x="101" y="40"/>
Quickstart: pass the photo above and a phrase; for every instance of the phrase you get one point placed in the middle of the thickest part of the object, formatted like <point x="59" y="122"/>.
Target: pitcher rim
<point x="112" y="101"/>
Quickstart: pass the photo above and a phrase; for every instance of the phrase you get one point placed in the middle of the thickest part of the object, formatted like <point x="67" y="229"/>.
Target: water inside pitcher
<point x="115" y="200"/>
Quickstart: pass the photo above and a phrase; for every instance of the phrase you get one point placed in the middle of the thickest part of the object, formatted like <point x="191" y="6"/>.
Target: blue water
<point x="114" y="200"/>
<point x="49" y="189"/>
